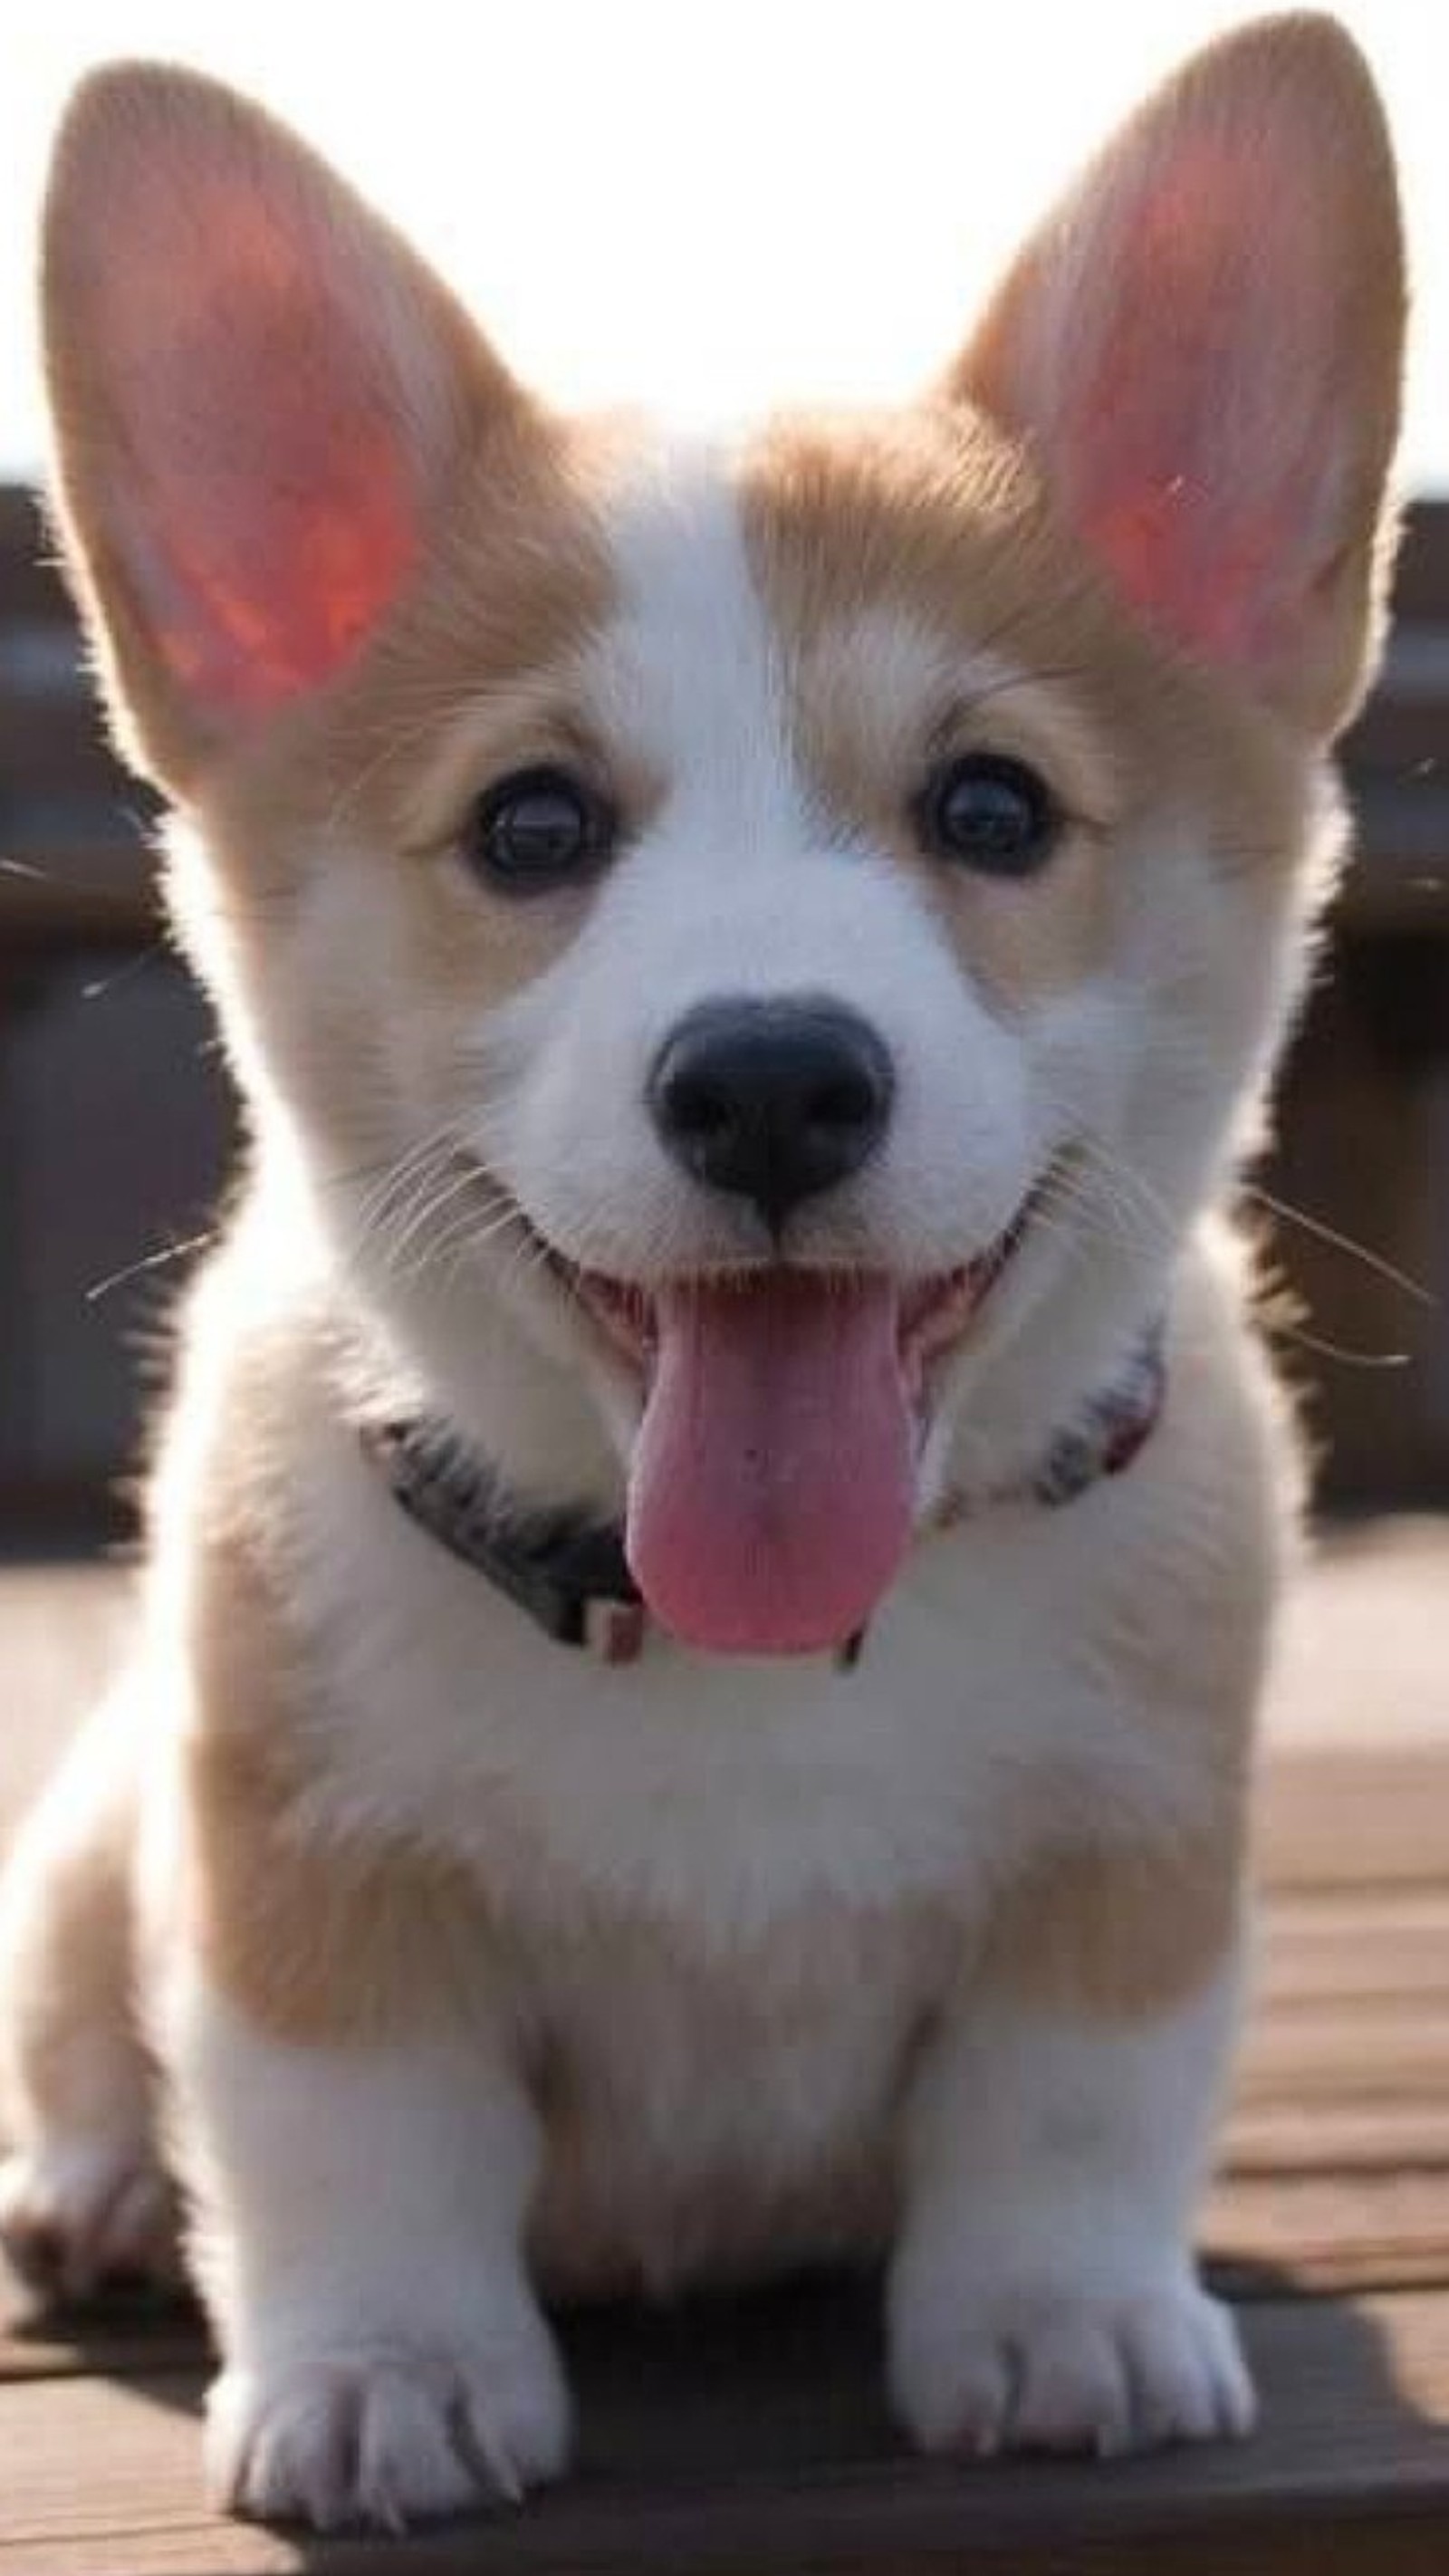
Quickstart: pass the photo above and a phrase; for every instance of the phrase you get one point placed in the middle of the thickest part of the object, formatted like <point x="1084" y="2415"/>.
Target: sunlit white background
<point x="706" y="203"/>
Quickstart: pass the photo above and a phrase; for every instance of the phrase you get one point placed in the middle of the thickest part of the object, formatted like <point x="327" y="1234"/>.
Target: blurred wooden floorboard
<point x="747" y="2437"/>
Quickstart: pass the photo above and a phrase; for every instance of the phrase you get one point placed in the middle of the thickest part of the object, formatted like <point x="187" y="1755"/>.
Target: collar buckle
<point x="614" y="1630"/>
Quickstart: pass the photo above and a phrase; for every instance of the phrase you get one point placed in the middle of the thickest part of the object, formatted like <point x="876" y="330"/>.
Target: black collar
<point x="569" y="1571"/>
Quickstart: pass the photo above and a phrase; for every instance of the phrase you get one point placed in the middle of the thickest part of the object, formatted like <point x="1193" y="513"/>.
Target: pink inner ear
<point x="1212" y="605"/>
<point x="1192" y="431"/>
<point x="262" y="597"/>
<point x="268" y="497"/>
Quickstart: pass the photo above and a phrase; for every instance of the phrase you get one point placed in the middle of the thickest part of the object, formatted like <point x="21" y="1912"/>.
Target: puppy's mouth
<point x="772" y="1488"/>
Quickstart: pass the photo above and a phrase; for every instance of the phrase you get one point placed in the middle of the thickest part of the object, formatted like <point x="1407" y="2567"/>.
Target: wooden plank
<point x="752" y="2437"/>
<point x="1386" y="2227"/>
<point x="1324" y="1947"/>
<point x="1344" y="2074"/>
<point x="1360" y="1658"/>
<point x="1365" y="1817"/>
<point x="1334" y="2137"/>
<point x="1384" y="2051"/>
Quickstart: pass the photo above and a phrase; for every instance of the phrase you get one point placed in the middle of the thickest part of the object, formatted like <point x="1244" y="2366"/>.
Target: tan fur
<point x="1117" y="1936"/>
<point x="364" y="1944"/>
<point x="927" y="520"/>
<point x="470" y="678"/>
<point x="1125" y="1928"/>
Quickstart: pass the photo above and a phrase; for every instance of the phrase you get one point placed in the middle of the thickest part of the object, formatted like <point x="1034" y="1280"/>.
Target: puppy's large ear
<point x="258" y="394"/>
<point x="1203" y="349"/>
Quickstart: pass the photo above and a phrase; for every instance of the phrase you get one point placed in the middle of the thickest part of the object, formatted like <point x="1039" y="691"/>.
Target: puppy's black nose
<point x="771" y="1100"/>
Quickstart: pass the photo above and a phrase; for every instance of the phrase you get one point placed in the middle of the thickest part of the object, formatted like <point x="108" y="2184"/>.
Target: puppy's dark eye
<point x="538" y="829"/>
<point x="990" y="812"/>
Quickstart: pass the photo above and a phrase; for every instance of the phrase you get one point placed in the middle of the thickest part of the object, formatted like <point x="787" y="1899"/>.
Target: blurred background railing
<point x="115" y="1122"/>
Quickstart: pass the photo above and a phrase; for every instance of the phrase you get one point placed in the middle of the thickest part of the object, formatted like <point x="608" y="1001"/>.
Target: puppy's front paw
<point x="1072" y="2373"/>
<point x="78" y="2214"/>
<point x="384" y="2435"/>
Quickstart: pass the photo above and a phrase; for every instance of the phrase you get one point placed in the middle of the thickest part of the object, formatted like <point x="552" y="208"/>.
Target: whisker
<point x="1325" y="1233"/>
<point x="1322" y="1348"/>
<point x="1319" y="1345"/>
<point x="149" y="1261"/>
<point x="1124" y="1217"/>
<point x="404" y="1168"/>
<point x="425" y="1210"/>
<point x="101" y="985"/>
<point x="460" y="1234"/>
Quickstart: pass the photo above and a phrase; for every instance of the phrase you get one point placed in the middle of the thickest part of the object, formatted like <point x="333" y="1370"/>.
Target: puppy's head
<point x="793" y="923"/>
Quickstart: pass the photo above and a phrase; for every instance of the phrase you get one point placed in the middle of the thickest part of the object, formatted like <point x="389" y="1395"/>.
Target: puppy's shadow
<point x="139" y="2334"/>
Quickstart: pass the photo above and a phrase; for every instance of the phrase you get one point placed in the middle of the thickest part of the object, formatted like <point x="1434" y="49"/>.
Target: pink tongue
<point x="771" y="1494"/>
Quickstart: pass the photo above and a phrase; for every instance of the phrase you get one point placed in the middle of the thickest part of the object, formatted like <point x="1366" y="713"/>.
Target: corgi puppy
<point x="711" y="1553"/>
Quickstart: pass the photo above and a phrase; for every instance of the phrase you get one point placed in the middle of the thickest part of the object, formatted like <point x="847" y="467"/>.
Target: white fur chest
<point x="722" y="2114"/>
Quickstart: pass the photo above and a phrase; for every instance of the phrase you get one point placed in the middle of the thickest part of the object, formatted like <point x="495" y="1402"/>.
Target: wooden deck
<point x="746" y="2438"/>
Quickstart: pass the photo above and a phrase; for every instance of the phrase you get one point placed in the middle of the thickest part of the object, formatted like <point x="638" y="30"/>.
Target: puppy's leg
<point x="82" y="2194"/>
<point x="360" y="2209"/>
<point x="1043" y="2292"/>
<point x="357" y="2146"/>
